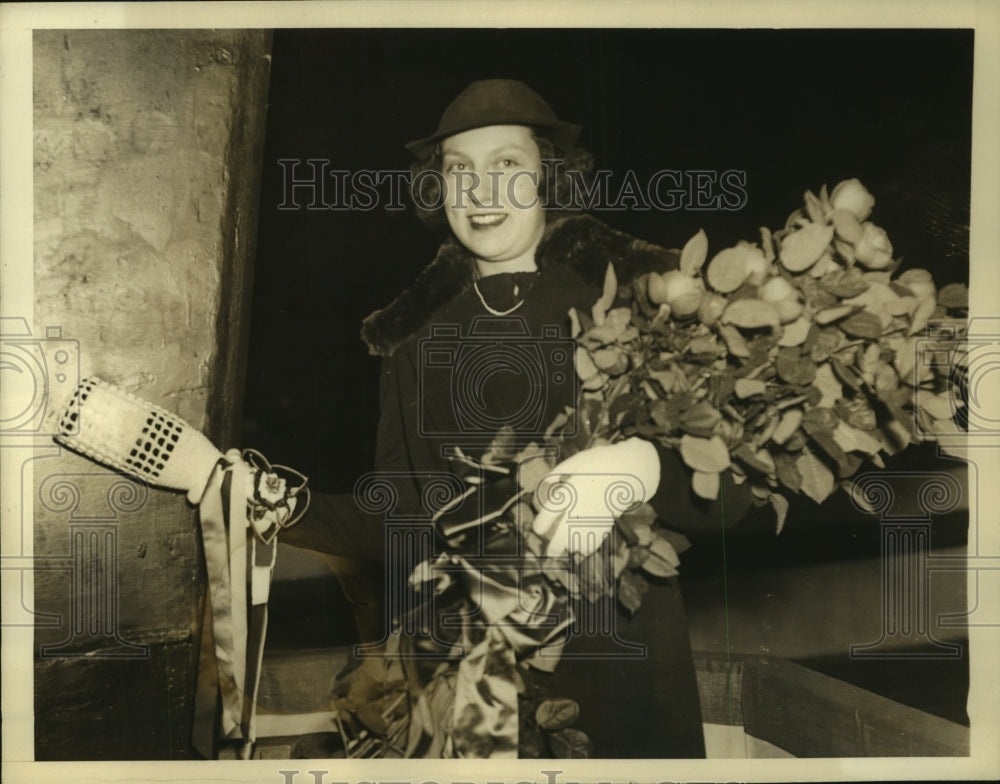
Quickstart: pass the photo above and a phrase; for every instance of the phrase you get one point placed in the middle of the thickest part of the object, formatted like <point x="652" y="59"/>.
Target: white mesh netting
<point x="132" y="435"/>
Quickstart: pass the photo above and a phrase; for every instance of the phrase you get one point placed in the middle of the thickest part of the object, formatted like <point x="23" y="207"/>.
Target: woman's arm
<point x="334" y="524"/>
<point x="679" y="508"/>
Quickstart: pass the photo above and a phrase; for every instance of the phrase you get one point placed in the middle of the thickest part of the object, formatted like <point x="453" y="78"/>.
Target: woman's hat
<point x="495" y="102"/>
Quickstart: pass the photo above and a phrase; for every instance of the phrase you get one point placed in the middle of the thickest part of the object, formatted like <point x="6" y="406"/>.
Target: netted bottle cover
<point x="124" y="432"/>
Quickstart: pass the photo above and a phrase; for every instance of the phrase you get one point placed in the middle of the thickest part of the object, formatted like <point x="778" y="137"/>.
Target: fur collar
<point x="581" y="242"/>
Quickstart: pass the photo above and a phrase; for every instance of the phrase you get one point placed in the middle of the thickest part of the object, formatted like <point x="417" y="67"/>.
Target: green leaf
<point x="921" y="314"/>
<point x="780" y="504"/>
<point x="850" y="439"/>
<point x="746" y="455"/>
<point x="612" y="361"/>
<point x="586" y="369"/>
<point x="863" y="324"/>
<point x="640" y="297"/>
<point x="700" y="419"/>
<point x="637" y="554"/>
<point x="795" y="368"/>
<point x="503" y="446"/>
<point x="821" y="420"/>
<point x="954" y="295"/>
<point x="706" y="344"/>
<point x="748" y="387"/>
<point x="796" y="333"/>
<point x="729" y="268"/>
<point x="801" y="249"/>
<point x="734" y="341"/>
<point x="857" y="413"/>
<point x="694" y="253"/>
<point x="607" y="298"/>
<point x="636" y="526"/>
<point x="632" y="587"/>
<point x="532" y="470"/>
<point x="660" y="413"/>
<point x="813" y="208"/>
<point x="555" y="715"/>
<point x="825" y="343"/>
<point x="940" y="406"/>
<point x="787" y="425"/>
<point x="846" y="374"/>
<point x="706" y="484"/>
<point x="624" y="403"/>
<point x="817" y="479"/>
<point x="827" y="384"/>
<point x="575" y="327"/>
<point x="847" y="226"/>
<point x="658" y="566"/>
<point x="845" y="284"/>
<point x="705" y="454"/>
<point x="613" y="329"/>
<point x="787" y="470"/>
<point x="722" y="389"/>
<point x="796" y="442"/>
<point x="678" y="541"/>
<point x="570" y="744"/>
<point x="591" y="411"/>
<point x="829" y="315"/>
<point x="820" y="424"/>
<point x="751" y="314"/>
<point x="667" y="379"/>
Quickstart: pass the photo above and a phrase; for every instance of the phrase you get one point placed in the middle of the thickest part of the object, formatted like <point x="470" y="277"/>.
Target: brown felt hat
<point x="495" y="102"/>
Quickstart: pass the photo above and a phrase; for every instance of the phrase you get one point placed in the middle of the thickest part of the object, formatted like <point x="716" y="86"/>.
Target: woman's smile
<point x="487" y="220"/>
<point x="491" y="178"/>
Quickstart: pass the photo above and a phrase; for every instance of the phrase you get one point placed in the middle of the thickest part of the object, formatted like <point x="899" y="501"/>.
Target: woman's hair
<point x="565" y="177"/>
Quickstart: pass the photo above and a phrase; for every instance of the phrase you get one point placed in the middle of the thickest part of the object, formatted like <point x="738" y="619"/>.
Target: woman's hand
<point x="580" y="499"/>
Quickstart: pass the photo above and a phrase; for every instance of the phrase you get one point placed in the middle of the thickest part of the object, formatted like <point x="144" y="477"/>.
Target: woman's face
<point x="491" y="179"/>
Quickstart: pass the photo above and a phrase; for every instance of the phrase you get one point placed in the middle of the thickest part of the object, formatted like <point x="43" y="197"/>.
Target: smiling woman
<point x="457" y="370"/>
<point x="479" y="340"/>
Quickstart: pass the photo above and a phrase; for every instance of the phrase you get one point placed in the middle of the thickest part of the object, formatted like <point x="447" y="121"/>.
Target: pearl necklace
<point x="494" y="311"/>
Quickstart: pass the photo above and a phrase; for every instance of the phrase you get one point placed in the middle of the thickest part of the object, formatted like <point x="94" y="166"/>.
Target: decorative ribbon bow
<point x="244" y="502"/>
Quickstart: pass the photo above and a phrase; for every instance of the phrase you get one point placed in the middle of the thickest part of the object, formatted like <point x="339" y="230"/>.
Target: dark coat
<point x="636" y="684"/>
<point x="417" y="405"/>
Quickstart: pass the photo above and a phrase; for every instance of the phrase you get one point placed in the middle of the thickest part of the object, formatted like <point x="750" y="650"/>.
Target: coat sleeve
<point x="335" y="524"/>
<point x="679" y="508"/>
<point x="390" y="444"/>
<point x="399" y="450"/>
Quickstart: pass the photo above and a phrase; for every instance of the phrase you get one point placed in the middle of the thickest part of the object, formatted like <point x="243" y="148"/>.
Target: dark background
<point x="793" y="109"/>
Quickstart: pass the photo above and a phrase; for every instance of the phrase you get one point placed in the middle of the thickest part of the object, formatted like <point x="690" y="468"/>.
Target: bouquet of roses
<point x="790" y="362"/>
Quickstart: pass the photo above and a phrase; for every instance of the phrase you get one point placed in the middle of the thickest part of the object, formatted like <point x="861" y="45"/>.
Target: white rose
<point x="873" y="250"/>
<point x="271" y="487"/>
<point x="682" y="292"/>
<point x="852" y="196"/>
<point x="920" y="282"/>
